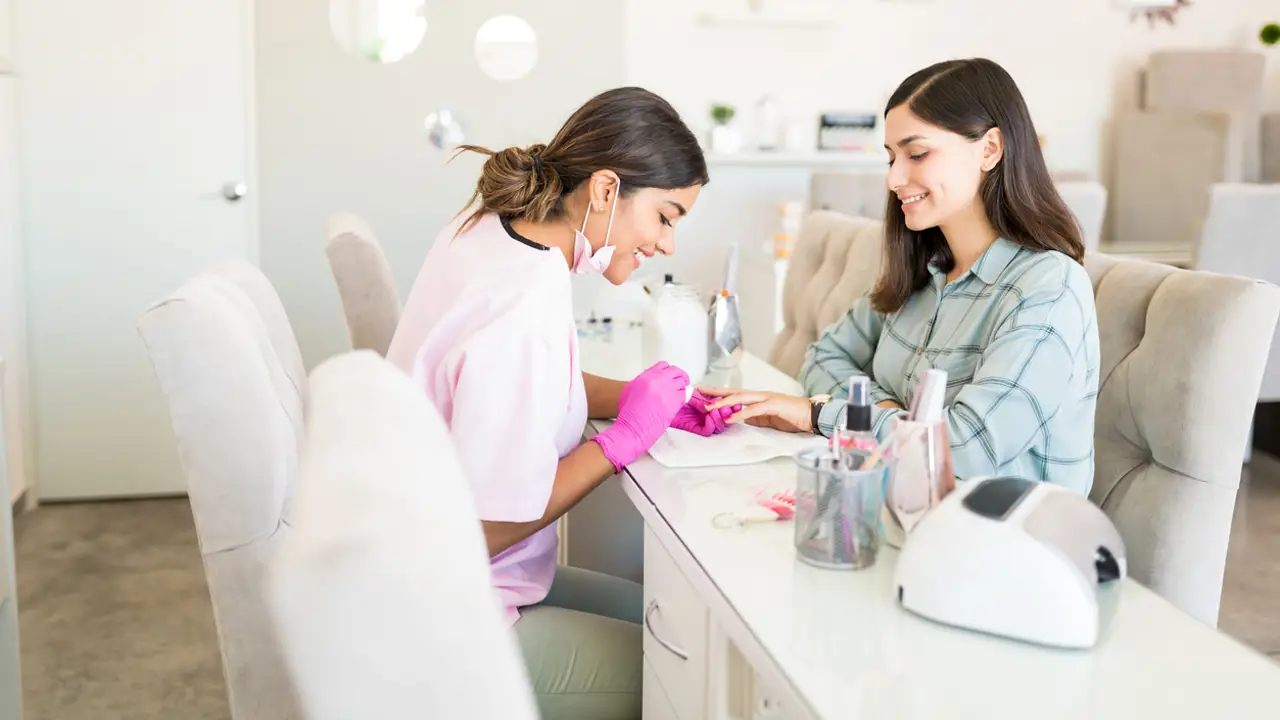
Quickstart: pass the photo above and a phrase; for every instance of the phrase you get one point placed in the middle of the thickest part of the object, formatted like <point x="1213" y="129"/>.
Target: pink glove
<point x="693" y="416"/>
<point x="645" y="409"/>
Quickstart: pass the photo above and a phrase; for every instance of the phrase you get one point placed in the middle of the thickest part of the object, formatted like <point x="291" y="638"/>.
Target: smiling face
<point x="936" y="174"/>
<point x="643" y="225"/>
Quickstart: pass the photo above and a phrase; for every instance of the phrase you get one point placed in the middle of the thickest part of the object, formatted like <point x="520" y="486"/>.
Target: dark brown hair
<point x="629" y="130"/>
<point x="969" y="97"/>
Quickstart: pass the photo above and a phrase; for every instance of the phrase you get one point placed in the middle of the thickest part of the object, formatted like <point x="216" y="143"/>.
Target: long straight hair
<point x="969" y="98"/>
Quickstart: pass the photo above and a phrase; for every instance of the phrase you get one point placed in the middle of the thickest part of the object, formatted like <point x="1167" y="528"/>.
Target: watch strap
<point x="815" y="409"/>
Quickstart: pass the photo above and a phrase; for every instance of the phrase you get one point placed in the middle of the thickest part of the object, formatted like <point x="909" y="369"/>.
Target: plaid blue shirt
<point x="1018" y="338"/>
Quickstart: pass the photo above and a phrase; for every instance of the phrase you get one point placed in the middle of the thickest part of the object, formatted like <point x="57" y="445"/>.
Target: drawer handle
<point x="653" y="607"/>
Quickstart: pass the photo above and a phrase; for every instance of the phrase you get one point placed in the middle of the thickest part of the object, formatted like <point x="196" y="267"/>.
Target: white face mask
<point x="584" y="261"/>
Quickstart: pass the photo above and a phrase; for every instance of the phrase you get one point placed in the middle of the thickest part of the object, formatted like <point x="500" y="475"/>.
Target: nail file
<point x="931" y="393"/>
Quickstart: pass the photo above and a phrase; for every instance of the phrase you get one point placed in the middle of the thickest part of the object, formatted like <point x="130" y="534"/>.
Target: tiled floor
<point x="116" y="622"/>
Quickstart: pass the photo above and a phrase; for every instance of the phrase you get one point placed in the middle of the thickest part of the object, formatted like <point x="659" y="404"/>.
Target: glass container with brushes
<point x="919" y="452"/>
<point x="837" y="508"/>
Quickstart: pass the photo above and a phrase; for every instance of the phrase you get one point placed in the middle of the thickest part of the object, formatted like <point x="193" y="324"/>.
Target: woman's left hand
<point x="763" y="409"/>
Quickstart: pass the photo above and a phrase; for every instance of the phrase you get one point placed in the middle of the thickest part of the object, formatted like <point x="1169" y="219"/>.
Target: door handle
<point x="653" y="607"/>
<point x="234" y="191"/>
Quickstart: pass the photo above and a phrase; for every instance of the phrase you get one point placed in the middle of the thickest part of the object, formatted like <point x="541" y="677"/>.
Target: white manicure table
<point x="737" y="628"/>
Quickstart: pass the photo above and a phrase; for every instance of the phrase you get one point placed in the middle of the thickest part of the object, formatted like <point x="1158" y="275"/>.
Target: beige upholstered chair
<point x="1160" y="197"/>
<point x="1220" y="80"/>
<point x="836" y="260"/>
<point x="1271" y="148"/>
<point x="232" y="375"/>
<point x="1182" y="360"/>
<point x="370" y="300"/>
<point x="381" y="593"/>
<point x="1198" y="123"/>
<point x="1241" y="236"/>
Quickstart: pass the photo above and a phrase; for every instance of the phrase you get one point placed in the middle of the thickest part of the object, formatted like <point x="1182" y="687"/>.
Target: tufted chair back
<point x="836" y="261"/>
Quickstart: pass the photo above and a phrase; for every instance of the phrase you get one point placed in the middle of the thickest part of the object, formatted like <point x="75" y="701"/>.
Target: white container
<point x="768" y="124"/>
<point x="725" y="139"/>
<point x="676" y="329"/>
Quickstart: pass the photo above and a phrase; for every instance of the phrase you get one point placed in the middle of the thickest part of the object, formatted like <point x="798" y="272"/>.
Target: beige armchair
<point x="1271" y="148"/>
<point x="836" y="260"/>
<point x="382" y="593"/>
<point x="1160" y="196"/>
<point x="1241" y="236"/>
<point x="1182" y="360"/>
<point x="232" y="375"/>
<point x="368" y="291"/>
<point x="1198" y="123"/>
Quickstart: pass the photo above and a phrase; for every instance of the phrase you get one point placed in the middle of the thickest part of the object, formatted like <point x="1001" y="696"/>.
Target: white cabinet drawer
<point x="656" y="704"/>
<point x="675" y="632"/>
<point x="768" y="704"/>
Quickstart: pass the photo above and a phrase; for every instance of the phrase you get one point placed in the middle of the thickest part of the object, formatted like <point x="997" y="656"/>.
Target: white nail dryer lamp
<point x="1015" y="558"/>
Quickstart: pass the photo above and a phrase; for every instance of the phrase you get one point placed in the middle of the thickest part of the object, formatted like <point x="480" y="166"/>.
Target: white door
<point x="13" y="343"/>
<point x="134" y="114"/>
<point x="339" y="132"/>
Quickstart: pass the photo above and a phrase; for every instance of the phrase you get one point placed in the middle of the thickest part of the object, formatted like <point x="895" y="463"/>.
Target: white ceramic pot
<point x="725" y="139"/>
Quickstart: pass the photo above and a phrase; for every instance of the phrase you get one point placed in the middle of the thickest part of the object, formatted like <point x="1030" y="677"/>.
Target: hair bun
<point x="519" y="182"/>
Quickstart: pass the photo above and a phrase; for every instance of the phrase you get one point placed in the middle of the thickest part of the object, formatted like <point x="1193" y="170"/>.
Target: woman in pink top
<point x="488" y="333"/>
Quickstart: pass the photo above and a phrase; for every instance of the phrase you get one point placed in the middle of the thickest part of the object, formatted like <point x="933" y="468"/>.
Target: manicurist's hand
<point x="645" y="410"/>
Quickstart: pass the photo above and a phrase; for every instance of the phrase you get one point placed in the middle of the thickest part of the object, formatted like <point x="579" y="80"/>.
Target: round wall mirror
<point x="384" y="31"/>
<point x="506" y="47"/>
<point x="444" y="131"/>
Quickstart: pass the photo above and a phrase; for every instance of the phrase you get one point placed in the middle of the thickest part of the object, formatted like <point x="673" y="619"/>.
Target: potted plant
<point x="1270" y="34"/>
<point x="725" y="137"/>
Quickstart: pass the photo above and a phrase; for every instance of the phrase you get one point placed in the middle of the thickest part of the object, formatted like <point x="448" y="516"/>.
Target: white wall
<point x="336" y="133"/>
<point x="1073" y="59"/>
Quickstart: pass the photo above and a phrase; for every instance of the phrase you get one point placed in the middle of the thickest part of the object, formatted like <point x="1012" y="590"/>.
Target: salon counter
<point x="737" y="627"/>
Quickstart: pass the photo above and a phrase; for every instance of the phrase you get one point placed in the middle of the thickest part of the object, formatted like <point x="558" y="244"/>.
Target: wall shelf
<point x="781" y="158"/>
<point x="764" y="19"/>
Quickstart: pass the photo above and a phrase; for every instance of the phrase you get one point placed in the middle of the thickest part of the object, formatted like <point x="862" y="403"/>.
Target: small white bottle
<point x="768" y="124"/>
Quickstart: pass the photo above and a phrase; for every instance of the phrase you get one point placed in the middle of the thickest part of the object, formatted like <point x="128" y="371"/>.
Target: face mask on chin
<point x="586" y="262"/>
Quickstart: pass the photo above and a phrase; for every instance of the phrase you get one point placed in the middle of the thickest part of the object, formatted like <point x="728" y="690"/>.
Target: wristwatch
<point x="815" y="409"/>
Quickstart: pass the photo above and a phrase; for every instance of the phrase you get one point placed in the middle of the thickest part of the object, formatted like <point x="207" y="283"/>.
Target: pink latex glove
<point x="693" y="416"/>
<point x="645" y="409"/>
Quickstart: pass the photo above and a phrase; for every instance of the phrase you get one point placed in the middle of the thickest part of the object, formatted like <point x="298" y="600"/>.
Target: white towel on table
<point x="739" y="445"/>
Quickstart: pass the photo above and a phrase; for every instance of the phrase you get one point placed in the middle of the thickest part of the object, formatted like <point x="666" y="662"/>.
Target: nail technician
<point x="982" y="278"/>
<point x="488" y="333"/>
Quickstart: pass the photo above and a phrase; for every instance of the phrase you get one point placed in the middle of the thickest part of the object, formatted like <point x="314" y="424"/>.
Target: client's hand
<point x="763" y="409"/>
<point x="693" y="416"/>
